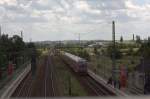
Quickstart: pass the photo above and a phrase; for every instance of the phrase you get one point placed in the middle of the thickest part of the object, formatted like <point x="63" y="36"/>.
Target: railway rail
<point x="93" y="87"/>
<point x="49" y="79"/>
<point x="43" y="84"/>
<point x="24" y="89"/>
<point x="46" y="80"/>
<point x="97" y="88"/>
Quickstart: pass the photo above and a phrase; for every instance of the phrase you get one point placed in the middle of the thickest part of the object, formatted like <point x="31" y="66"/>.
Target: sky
<point x="52" y="20"/>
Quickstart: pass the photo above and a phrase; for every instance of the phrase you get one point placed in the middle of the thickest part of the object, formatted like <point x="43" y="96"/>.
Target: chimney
<point x="22" y="35"/>
<point x="133" y="37"/>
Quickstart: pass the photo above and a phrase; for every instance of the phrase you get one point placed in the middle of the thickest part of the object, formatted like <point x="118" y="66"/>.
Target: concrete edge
<point x="9" y="91"/>
<point x="103" y="82"/>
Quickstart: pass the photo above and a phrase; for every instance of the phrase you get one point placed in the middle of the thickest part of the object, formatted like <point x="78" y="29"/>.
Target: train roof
<point x="74" y="57"/>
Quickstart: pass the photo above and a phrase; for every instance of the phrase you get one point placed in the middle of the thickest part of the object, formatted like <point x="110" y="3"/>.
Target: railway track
<point x="43" y="85"/>
<point x="97" y="88"/>
<point x="136" y="91"/>
<point x="90" y="84"/>
<point x="45" y="80"/>
<point x="24" y="88"/>
<point x="49" y="79"/>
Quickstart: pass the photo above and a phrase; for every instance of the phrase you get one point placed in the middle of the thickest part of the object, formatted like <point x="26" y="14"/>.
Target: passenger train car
<point x="79" y="65"/>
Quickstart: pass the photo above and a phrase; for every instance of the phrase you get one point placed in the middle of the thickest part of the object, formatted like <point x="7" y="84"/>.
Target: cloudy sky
<point x="65" y="19"/>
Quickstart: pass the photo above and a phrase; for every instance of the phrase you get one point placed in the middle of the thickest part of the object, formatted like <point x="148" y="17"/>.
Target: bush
<point x="145" y="49"/>
<point x="79" y="52"/>
<point x="117" y="52"/>
<point x="130" y="52"/>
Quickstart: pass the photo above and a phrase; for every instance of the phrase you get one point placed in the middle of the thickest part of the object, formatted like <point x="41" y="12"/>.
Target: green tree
<point x="138" y="39"/>
<point x="84" y="54"/>
<point x="117" y="52"/>
<point x="130" y="51"/>
<point x="145" y="49"/>
<point x="96" y="51"/>
<point x="18" y="43"/>
<point x="5" y="50"/>
<point x="17" y="49"/>
<point x="11" y="49"/>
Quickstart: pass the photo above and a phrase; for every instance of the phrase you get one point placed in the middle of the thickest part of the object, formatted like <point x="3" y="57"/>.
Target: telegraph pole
<point x="0" y="31"/>
<point x="79" y="39"/>
<point x="114" y="54"/>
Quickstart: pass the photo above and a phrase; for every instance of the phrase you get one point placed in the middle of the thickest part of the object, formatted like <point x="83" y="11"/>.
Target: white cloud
<point x="65" y="4"/>
<point x="70" y="19"/>
<point x="84" y="6"/>
<point x="64" y="17"/>
<point x="138" y="11"/>
<point x="9" y="2"/>
<point x="43" y="2"/>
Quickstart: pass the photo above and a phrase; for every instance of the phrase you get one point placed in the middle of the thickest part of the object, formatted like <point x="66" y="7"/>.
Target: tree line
<point x="14" y="50"/>
<point x="143" y="47"/>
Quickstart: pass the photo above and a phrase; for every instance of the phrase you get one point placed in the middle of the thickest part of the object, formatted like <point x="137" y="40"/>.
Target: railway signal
<point x="123" y="77"/>
<point x="10" y="68"/>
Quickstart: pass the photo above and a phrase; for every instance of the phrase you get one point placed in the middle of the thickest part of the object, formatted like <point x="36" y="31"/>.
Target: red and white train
<point x="79" y="65"/>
